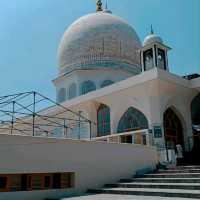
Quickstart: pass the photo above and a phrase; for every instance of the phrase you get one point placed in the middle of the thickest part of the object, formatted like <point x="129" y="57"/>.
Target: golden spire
<point x="99" y="6"/>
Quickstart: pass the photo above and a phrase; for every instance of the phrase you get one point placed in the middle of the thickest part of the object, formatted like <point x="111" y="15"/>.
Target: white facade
<point x="137" y="77"/>
<point x="151" y="92"/>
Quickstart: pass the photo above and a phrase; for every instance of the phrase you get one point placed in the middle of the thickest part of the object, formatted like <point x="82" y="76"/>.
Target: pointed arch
<point x="72" y="92"/>
<point x="195" y="110"/>
<point x="195" y="116"/>
<point x="173" y="128"/>
<point x="103" y="120"/>
<point x="87" y="86"/>
<point x="131" y="120"/>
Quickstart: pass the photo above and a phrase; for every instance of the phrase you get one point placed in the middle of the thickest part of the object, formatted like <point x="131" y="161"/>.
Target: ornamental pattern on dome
<point x="97" y="39"/>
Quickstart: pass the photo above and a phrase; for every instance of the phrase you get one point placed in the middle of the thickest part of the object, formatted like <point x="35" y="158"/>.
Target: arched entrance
<point x="173" y="129"/>
<point x="195" y="115"/>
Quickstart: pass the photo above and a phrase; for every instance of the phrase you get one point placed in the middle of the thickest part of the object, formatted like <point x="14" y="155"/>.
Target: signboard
<point x="157" y="130"/>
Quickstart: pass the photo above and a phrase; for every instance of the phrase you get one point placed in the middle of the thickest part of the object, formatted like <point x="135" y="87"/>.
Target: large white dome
<point x="99" y="40"/>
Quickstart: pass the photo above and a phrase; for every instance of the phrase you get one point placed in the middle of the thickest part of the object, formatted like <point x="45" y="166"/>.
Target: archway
<point x="72" y="92"/>
<point x="173" y="129"/>
<point x="132" y="120"/>
<point x="195" y="115"/>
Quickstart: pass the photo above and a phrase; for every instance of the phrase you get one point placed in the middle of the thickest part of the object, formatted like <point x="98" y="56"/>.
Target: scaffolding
<point x="33" y="114"/>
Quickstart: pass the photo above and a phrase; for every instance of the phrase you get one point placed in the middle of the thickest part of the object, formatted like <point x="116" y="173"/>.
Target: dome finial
<point x="152" y="32"/>
<point x="99" y="6"/>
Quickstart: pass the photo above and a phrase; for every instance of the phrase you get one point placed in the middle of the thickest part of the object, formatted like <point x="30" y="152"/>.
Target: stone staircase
<point x="183" y="182"/>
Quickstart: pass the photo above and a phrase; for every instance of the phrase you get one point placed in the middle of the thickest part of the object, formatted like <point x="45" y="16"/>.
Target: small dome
<point x="152" y="38"/>
<point x="99" y="39"/>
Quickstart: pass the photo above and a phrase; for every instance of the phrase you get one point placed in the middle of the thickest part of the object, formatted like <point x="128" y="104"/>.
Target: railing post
<point x="90" y="130"/>
<point x="34" y="97"/>
<point x="79" y="125"/>
<point x="65" y="129"/>
<point x="13" y="112"/>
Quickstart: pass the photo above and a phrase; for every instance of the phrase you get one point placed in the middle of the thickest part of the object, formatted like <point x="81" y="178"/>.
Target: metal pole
<point x="166" y="149"/>
<point x="34" y="97"/>
<point x="13" y="112"/>
<point x="65" y="129"/>
<point x="79" y="125"/>
<point x="90" y="130"/>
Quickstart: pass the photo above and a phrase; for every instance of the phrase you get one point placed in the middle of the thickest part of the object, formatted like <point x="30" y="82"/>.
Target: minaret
<point x="99" y="6"/>
<point x="154" y="52"/>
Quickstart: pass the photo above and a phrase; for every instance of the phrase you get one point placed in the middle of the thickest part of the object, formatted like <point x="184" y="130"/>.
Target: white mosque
<point x="125" y="85"/>
<point x="136" y="111"/>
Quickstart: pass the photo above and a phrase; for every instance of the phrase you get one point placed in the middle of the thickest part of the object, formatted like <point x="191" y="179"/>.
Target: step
<point x="188" y="167"/>
<point x="163" y="180"/>
<point x="171" y="171"/>
<point x="121" y="197"/>
<point x="149" y="192"/>
<point x="173" y="175"/>
<point x="187" y="186"/>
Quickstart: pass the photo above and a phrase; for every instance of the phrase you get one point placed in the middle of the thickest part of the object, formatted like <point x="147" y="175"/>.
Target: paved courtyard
<point x="122" y="197"/>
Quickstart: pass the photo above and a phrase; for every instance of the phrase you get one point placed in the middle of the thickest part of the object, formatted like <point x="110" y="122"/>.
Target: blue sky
<point x="30" y="31"/>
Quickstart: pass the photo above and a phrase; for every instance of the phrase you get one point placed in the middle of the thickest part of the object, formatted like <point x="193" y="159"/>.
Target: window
<point x="31" y="182"/>
<point x="72" y="91"/>
<point x="87" y="87"/>
<point x="24" y="182"/>
<point x="47" y="181"/>
<point x="161" y="59"/>
<point x="15" y="183"/>
<point x="67" y="180"/>
<point x="61" y="96"/>
<point x="103" y="120"/>
<point x="148" y="59"/>
<point x="36" y="182"/>
<point x="3" y="182"/>
<point x="57" y="181"/>
<point x="132" y="120"/>
<point x="106" y="83"/>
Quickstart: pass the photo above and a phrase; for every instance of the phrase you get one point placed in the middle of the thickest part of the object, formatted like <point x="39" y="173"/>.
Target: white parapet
<point x="94" y="163"/>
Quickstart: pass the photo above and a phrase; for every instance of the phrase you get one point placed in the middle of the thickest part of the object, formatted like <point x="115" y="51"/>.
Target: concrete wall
<point x="94" y="163"/>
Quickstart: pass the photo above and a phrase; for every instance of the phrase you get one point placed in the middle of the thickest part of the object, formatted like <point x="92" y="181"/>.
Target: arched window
<point x="161" y="59"/>
<point x="148" y="59"/>
<point x="61" y="96"/>
<point x="106" y="83"/>
<point x="72" y="91"/>
<point x="87" y="86"/>
<point x="132" y="120"/>
<point x="103" y="120"/>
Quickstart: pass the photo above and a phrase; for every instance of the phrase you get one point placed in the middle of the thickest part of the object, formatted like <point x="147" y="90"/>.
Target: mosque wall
<point x="152" y="98"/>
